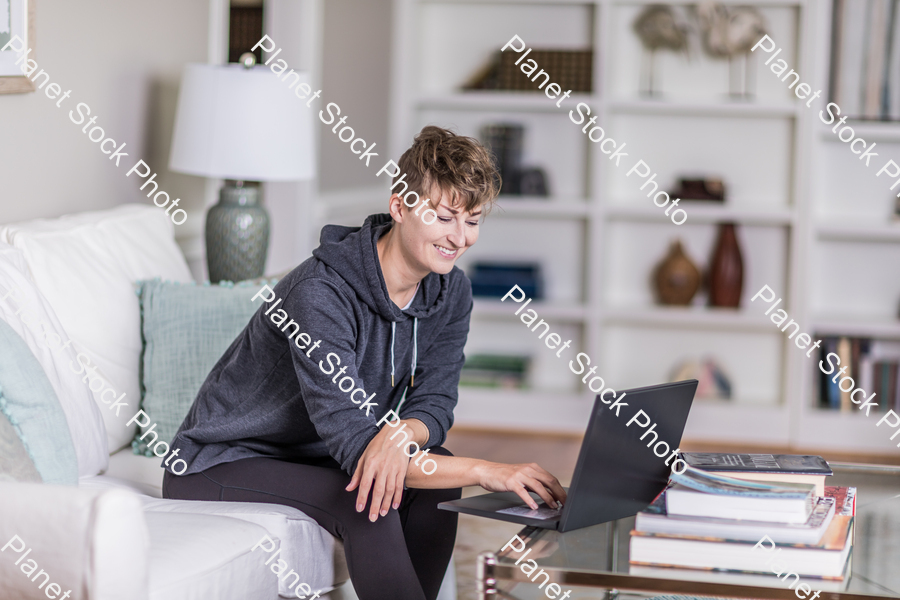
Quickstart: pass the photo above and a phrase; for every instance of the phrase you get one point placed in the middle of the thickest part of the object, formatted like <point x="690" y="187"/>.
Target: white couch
<point x="114" y="537"/>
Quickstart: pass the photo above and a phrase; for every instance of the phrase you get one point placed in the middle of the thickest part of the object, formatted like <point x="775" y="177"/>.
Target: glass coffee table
<point x="593" y="562"/>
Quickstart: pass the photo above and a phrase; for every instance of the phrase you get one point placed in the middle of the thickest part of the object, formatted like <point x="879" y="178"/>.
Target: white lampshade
<point x="239" y="123"/>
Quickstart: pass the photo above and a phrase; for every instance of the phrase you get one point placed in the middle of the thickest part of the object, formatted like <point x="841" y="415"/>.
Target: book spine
<point x="845" y="353"/>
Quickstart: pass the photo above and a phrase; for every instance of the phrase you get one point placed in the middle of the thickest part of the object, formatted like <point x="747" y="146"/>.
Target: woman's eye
<point x="444" y="219"/>
<point x="472" y="223"/>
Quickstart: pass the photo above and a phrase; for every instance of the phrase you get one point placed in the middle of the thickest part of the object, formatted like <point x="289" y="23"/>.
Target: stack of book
<point x="495" y="371"/>
<point x="748" y="532"/>
<point x="873" y="366"/>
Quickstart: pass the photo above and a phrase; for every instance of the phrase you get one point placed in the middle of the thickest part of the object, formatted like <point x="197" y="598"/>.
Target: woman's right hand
<point x="500" y="477"/>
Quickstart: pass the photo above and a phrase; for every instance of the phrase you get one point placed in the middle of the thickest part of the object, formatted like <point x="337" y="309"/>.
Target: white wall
<point x="356" y="76"/>
<point x="124" y="59"/>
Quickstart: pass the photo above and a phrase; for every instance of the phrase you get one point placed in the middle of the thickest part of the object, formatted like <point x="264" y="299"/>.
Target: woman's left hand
<point x="382" y="469"/>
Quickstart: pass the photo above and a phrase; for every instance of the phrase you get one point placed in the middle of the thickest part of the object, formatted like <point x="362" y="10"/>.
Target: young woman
<point x="375" y="321"/>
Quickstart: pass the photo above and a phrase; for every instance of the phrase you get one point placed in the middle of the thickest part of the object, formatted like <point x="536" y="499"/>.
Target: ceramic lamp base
<point x="237" y="234"/>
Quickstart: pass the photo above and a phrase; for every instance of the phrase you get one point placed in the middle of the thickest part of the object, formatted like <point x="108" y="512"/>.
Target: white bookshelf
<point x="803" y="210"/>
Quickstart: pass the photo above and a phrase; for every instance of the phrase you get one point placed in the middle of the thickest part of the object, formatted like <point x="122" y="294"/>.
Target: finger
<point x="523" y="494"/>
<point x="551" y="483"/>
<point x="537" y="487"/>
<point x="389" y="487"/>
<point x="365" y="484"/>
<point x="377" y="496"/>
<point x="354" y="481"/>
<point x="398" y="490"/>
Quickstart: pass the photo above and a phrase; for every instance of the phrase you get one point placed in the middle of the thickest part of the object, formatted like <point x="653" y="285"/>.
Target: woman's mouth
<point x="446" y="252"/>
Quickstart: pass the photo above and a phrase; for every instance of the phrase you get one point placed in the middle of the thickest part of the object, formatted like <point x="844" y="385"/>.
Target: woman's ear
<point x="396" y="208"/>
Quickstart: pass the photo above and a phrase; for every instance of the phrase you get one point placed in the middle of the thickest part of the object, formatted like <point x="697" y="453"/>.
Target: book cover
<point x="844" y="498"/>
<point x="709" y="483"/>
<point x="800" y="464"/>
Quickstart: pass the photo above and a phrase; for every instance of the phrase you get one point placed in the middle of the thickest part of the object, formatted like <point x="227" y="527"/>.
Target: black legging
<point x="401" y="556"/>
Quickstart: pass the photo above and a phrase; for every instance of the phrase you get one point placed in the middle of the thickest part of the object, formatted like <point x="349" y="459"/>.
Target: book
<point x="826" y="558"/>
<point x="733" y="577"/>
<point x="845" y="354"/>
<point x="655" y="519"/>
<point x="495" y="370"/>
<point x="785" y="468"/>
<point x="850" y="83"/>
<point x="874" y="60"/>
<point x="830" y="395"/>
<point x="701" y="494"/>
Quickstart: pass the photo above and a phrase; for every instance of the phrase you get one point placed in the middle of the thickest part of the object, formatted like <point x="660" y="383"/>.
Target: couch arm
<point x="91" y="543"/>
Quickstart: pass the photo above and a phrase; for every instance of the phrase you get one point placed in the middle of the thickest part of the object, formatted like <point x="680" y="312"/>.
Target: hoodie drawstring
<point x="415" y="354"/>
<point x="412" y="379"/>
<point x="393" y="331"/>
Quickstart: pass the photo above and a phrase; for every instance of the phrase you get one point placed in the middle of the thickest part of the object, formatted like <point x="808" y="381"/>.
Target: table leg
<point x="612" y="555"/>
<point x="486" y="581"/>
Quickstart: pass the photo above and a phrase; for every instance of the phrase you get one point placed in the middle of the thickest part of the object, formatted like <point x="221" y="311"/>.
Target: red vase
<point x="726" y="269"/>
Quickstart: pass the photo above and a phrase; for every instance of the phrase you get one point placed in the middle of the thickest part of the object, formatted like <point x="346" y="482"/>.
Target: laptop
<point x="616" y="476"/>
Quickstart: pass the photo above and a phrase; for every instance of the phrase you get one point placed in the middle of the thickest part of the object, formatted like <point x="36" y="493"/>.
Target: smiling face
<point x="434" y="246"/>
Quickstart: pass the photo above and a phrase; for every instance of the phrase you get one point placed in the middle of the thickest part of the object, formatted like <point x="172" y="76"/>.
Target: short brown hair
<point x="449" y="162"/>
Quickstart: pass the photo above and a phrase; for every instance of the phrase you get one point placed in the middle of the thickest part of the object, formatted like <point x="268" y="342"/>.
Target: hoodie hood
<point x="352" y="253"/>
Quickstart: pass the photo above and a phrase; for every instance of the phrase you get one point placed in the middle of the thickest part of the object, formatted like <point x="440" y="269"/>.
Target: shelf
<point x="878" y="328"/>
<point x="523" y="409"/>
<point x="788" y="3"/>
<point x="623" y="2"/>
<point x="871" y="131"/>
<point x="728" y="421"/>
<point x="725" y="421"/>
<point x="859" y="231"/>
<point x="689" y="317"/>
<point x="544" y="208"/>
<point x="703" y="109"/>
<point x="485" y="307"/>
<point x="701" y="212"/>
<point x="825" y="430"/>
<point x="503" y="100"/>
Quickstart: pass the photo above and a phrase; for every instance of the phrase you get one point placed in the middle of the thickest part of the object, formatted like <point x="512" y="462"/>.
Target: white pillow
<point x="85" y="265"/>
<point x="26" y="310"/>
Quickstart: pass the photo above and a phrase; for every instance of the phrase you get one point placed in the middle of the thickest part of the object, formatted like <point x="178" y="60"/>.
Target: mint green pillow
<point x="186" y="328"/>
<point x="29" y="403"/>
<point x="16" y="462"/>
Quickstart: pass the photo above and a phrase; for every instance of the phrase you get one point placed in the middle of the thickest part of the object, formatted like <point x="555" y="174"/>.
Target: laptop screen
<point x="618" y="474"/>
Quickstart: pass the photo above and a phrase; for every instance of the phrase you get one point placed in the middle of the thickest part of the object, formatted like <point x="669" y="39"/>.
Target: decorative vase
<point x="677" y="278"/>
<point x="726" y="270"/>
<point x="237" y="234"/>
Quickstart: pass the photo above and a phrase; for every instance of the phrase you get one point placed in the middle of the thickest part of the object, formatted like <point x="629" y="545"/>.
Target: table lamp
<point x="241" y="123"/>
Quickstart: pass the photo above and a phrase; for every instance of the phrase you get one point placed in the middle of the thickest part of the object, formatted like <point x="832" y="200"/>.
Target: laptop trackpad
<point x="542" y="512"/>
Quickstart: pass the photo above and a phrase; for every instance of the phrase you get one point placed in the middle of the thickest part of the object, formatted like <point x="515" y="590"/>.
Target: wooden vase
<point x="726" y="269"/>
<point x="676" y="277"/>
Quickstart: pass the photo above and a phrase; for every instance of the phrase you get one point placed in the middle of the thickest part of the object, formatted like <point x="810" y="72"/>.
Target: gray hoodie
<point x="266" y="397"/>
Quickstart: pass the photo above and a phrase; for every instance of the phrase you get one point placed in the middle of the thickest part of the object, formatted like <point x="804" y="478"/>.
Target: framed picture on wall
<point x="17" y="36"/>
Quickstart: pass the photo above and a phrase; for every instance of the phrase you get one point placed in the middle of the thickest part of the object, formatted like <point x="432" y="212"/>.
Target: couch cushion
<point x="307" y="548"/>
<point x="28" y="400"/>
<point x="92" y="542"/>
<point x="310" y="550"/>
<point x="206" y="556"/>
<point x="186" y="329"/>
<point x="138" y="469"/>
<point x="85" y="265"/>
<point x="25" y="309"/>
